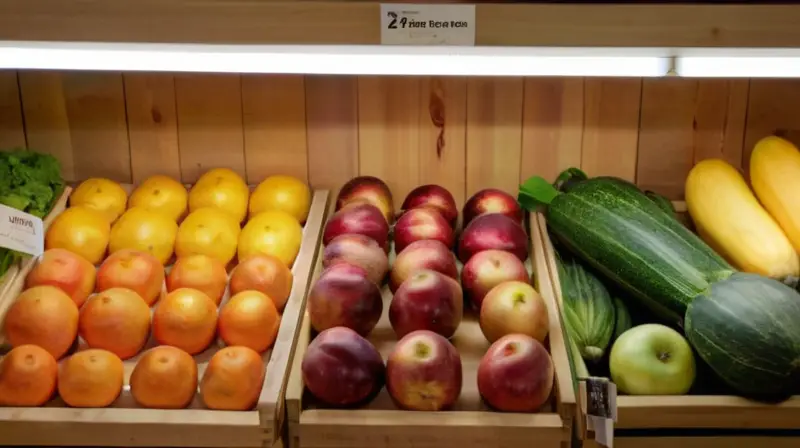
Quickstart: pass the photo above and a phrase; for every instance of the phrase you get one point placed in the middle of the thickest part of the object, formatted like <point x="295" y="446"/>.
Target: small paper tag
<point x="421" y="24"/>
<point x="600" y="399"/>
<point x="20" y="231"/>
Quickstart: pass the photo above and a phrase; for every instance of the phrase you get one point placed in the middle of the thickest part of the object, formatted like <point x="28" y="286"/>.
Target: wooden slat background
<point x="463" y="133"/>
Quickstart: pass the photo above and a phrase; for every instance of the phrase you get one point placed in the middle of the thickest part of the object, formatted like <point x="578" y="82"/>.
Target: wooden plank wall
<point x="463" y="133"/>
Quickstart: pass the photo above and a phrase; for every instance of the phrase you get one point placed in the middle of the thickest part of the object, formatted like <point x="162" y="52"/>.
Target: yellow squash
<point x="775" y="176"/>
<point x="729" y="218"/>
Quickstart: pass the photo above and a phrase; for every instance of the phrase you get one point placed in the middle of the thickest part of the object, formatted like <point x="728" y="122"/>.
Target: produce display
<point x="669" y="302"/>
<point x="30" y="182"/>
<point x="400" y="321"/>
<point x="151" y="285"/>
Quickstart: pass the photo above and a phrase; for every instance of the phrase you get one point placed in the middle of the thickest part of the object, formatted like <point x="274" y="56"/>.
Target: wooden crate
<point x="469" y="424"/>
<point x="126" y="424"/>
<point x="708" y="421"/>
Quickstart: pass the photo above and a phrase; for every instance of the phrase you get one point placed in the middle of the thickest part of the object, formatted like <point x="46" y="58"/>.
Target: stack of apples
<point x="434" y="272"/>
<point x="163" y="294"/>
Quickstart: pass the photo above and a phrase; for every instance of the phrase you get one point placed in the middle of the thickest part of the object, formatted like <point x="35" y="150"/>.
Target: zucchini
<point x="624" y="322"/>
<point x="662" y="202"/>
<point x="588" y="308"/>
<point x="729" y="218"/>
<point x="746" y="329"/>
<point x="624" y="235"/>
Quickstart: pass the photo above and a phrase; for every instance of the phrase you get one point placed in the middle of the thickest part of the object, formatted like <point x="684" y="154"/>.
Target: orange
<point x="102" y="195"/>
<point x="91" y="379"/>
<point x="133" y="269"/>
<point x="117" y="320"/>
<point x="187" y="319"/>
<point x="66" y="271"/>
<point x="28" y="376"/>
<point x="43" y="316"/>
<point x="249" y="319"/>
<point x="81" y="230"/>
<point x="200" y="272"/>
<point x="273" y="232"/>
<point x="165" y="377"/>
<point x="264" y="273"/>
<point x="233" y="379"/>
<point x="208" y="231"/>
<point x="161" y="194"/>
<point x="144" y="230"/>
<point x="220" y="188"/>
<point x="284" y="193"/>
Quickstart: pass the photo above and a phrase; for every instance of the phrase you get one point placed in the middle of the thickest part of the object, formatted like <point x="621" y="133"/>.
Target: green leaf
<point x="569" y="177"/>
<point x="535" y="192"/>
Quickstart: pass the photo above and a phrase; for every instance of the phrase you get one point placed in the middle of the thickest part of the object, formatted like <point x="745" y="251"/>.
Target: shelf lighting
<point x="738" y="67"/>
<point x="334" y="60"/>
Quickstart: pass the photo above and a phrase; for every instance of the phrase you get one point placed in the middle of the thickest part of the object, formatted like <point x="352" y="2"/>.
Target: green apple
<point x="652" y="359"/>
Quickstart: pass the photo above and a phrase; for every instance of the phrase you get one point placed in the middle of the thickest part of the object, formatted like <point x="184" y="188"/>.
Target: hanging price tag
<point x="425" y="24"/>
<point x="599" y="397"/>
<point x="20" y="231"/>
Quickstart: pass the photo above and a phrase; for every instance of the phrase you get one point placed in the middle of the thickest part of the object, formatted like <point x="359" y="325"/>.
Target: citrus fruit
<point x="134" y="269"/>
<point x="144" y="230"/>
<point x="43" y="316"/>
<point x="165" y="377"/>
<point x="186" y="318"/>
<point x="80" y="230"/>
<point x="223" y="189"/>
<point x="102" y="195"/>
<point x="200" y="272"/>
<point x="283" y="193"/>
<point x="233" y="379"/>
<point x="28" y="376"/>
<point x="117" y="320"/>
<point x="273" y="232"/>
<point x="66" y="271"/>
<point x="266" y="274"/>
<point x="91" y="378"/>
<point x="208" y="231"/>
<point x="161" y="194"/>
<point x="249" y="319"/>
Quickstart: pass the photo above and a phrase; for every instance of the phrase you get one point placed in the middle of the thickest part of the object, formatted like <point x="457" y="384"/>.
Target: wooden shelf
<point x="357" y="22"/>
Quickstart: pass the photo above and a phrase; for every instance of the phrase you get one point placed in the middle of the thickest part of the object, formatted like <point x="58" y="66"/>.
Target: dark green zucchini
<point x="624" y="322"/>
<point x="662" y="202"/>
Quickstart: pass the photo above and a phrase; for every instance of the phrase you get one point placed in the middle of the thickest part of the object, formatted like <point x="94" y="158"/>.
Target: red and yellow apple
<point x="423" y="372"/>
<point x="66" y="271"/>
<point x="133" y="269"/>
<point x="493" y="231"/>
<point x="422" y="224"/>
<point x="433" y="196"/>
<point x="343" y="296"/>
<point x="491" y="200"/>
<point x="422" y="254"/>
<point x="369" y="190"/>
<point x="427" y="300"/>
<point x="487" y="269"/>
<point x="514" y="307"/>
<point x="359" y="250"/>
<point x="362" y="219"/>
<point x="516" y="374"/>
<point x="341" y="368"/>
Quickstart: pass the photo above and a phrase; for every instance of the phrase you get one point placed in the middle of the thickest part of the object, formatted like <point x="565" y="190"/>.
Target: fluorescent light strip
<point x="738" y="67"/>
<point x="333" y="60"/>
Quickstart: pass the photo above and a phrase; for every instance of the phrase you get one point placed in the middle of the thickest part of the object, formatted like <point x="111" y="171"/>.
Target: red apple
<point x="341" y="368"/>
<point x="370" y="190"/>
<point x="361" y="219"/>
<point x="433" y="196"/>
<point x="514" y="307"/>
<point x="422" y="254"/>
<point x="422" y="224"/>
<point x="487" y="269"/>
<point x="343" y="296"/>
<point x="423" y="372"/>
<point x="427" y="300"/>
<point x="516" y="374"/>
<point x="359" y="250"/>
<point x="491" y="200"/>
<point x="493" y="231"/>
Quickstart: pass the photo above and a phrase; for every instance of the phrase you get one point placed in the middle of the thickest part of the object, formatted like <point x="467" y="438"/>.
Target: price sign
<point x="20" y="231"/>
<point x="424" y="24"/>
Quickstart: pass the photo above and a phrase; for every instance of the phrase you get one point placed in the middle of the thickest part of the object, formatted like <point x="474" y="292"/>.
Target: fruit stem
<point x="592" y="353"/>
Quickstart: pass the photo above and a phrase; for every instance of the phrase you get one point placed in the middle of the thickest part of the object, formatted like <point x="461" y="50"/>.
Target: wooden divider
<point x="465" y="133"/>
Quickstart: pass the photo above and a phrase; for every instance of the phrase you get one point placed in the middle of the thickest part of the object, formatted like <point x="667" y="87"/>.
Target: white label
<point x="412" y="24"/>
<point x="20" y="231"/>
